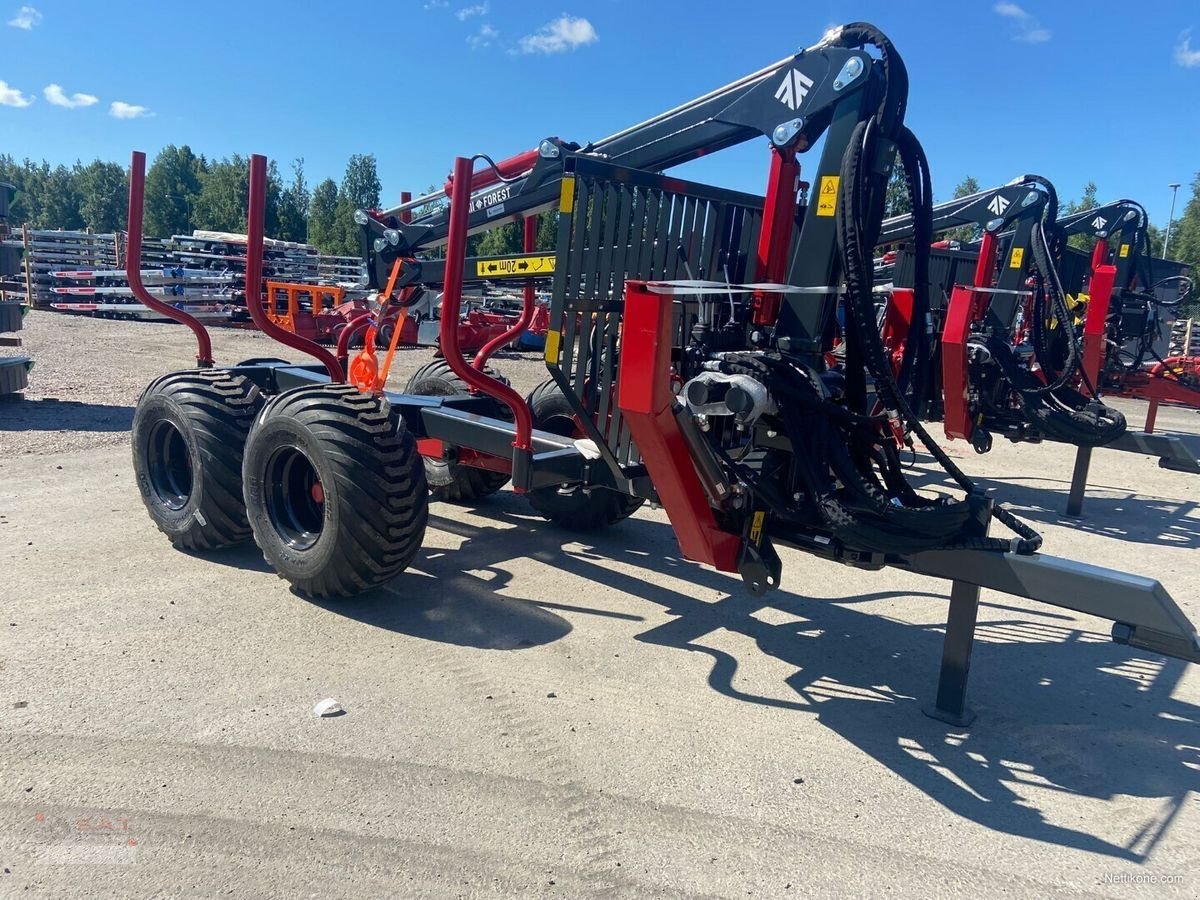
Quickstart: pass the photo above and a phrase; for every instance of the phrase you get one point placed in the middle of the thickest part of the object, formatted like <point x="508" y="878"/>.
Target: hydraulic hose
<point x="1055" y="408"/>
<point x="867" y="514"/>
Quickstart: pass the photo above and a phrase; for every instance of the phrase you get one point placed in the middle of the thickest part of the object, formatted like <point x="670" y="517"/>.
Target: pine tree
<point x="322" y="209"/>
<point x="172" y="188"/>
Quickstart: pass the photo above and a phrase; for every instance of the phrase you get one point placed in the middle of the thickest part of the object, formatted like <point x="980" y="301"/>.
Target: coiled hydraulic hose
<point x="865" y="512"/>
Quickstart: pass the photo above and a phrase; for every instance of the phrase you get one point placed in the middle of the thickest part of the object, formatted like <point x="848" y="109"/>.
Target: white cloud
<point x="120" y="110"/>
<point x="437" y="4"/>
<point x="26" y="18"/>
<point x="56" y="95"/>
<point x="484" y="37"/>
<point x="467" y="12"/>
<point x="1029" y="29"/>
<point x="1184" y="54"/>
<point x="563" y="34"/>
<point x="10" y="96"/>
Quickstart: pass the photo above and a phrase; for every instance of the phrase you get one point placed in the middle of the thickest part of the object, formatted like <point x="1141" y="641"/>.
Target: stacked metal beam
<point x="72" y="271"/>
<point x="14" y="370"/>
<point x="1185" y="338"/>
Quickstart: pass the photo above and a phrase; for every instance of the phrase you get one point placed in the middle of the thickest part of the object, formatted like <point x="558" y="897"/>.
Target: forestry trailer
<point x="687" y="368"/>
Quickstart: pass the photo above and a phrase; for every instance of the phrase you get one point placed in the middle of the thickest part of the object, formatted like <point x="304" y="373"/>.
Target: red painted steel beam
<point x="528" y="307"/>
<point x="645" y="398"/>
<point x="255" y="219"/>
<point x="897" y="324"/>
<point x="965" y="307"/>
<point x="957" y="416"/>
<point x="456" y="255"/>
<point x="775" y="239"/>
<point x="133" y="263"/>
<point x="1095" y="324"/>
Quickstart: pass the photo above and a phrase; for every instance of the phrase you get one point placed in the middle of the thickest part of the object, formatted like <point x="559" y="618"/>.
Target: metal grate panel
<point x="616" y="224"/>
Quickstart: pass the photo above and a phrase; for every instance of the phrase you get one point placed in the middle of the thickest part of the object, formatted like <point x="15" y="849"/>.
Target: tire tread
<point x="379" y="477"/>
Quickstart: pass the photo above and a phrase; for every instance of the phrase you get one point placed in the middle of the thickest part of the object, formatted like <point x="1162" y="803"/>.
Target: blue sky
<point x="1071" y="90"/>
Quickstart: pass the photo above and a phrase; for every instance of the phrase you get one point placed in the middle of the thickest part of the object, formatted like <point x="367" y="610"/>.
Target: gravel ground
<point x="89" y="373"/>
<point x="533" y="713"/>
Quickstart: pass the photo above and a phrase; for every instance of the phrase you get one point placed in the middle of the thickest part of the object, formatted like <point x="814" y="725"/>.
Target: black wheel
<point x="449" y="481"/>
<point x="189" y="431"/>
<point x="335" y="490"/>
<point x="571" y="506"/>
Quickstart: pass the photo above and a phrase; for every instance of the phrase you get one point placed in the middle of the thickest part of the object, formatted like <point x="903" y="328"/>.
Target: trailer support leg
<point x="1151" y="415"/>
<point x="951" y="705"/>
<point x="1083" y="462"/>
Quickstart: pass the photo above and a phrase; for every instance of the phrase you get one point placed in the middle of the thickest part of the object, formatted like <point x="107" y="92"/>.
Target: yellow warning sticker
<point x="827" y="196"/>
<point x="515" y="267"/>
<point x="756" y="526"/>
<point x="1124" y="250"/>
<point x="552" y="339"/>
<point x="1018" y="257"/>
<point x="566" y="195"/>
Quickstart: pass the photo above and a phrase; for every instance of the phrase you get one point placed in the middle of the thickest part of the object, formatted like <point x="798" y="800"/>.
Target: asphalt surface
<point x="529" y="713"/>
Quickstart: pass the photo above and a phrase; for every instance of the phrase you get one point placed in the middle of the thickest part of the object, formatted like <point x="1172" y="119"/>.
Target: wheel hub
<point x="295" y="498"/>
<point x="170" y="465"/>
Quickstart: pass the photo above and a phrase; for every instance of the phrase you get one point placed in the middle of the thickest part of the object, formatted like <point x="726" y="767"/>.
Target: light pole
<point x="1170" y="218"/>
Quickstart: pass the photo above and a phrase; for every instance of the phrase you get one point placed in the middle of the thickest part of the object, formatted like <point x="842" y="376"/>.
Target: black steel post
<point x="951" y="705"/>
<point x="1083" y="461"/>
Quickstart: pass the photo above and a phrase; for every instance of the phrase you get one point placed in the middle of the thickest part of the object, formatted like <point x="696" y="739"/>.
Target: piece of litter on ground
<point x="327" y="708"/>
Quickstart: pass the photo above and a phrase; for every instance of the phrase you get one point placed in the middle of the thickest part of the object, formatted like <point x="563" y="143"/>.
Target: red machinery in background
<point x="1126" y="308"/>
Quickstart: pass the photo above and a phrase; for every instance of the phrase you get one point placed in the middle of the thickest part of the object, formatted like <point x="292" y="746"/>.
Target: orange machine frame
<point x="318" y="295"/>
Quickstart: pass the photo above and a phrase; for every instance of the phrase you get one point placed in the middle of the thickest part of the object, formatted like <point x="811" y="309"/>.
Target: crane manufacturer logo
<point x="1099" y="222"/>
<point x="794" y="88"/>
<point x="998" y="205"/>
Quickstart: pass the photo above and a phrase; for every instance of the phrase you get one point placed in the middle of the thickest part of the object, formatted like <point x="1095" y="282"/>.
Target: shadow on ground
<point x="1061" y="709"/>
<point x="23" y="414"/>
<point x="437" y="600"/>
<point x="1108" y="511"/>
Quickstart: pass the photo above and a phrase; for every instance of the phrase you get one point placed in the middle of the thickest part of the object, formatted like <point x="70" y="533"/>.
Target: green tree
<point x="322" y="211"/>
<point x="172" y="189"/>
<point x="510" y="238"/>
<point x="499" y="241"/>
<point x="271" y="224"/>
<point x="1185" y="232"/>
<point x="359" y="190"/>
<point x="28" y="178"/>
<point x="223" y="196"/>
<point x="104" y="195"/>
<point x="60" y="201"/>
<point x="966" y="187"/>
<point x="294" y="202"/>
